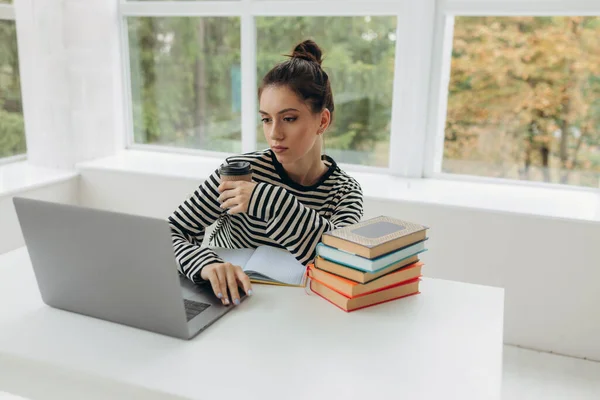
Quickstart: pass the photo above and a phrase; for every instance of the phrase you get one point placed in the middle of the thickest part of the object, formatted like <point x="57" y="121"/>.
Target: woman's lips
<point x="279" y="149"/>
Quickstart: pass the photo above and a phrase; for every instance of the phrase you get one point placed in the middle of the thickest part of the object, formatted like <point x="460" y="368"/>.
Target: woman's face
<point x="289" y="125"/>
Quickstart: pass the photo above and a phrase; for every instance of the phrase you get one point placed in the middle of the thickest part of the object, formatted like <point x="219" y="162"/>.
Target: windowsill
<point x="549" y="202"/>
<point x="21" y="176"/>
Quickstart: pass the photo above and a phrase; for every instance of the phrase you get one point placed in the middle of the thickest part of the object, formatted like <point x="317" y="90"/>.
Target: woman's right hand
<point x="223" y="276"/>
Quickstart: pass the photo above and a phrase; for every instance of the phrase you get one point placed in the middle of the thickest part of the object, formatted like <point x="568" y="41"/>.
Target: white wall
<point x="70" y="78"/>
<point x="137" y="194"/>
<point x="11" y="236"/>
<point x="548" y="267"/>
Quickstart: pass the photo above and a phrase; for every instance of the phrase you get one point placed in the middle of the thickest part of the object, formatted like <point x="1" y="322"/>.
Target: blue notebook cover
<point x="364" y="264"/>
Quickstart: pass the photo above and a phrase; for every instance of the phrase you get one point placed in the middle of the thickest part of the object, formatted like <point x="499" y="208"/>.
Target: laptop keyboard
<point x="193" y="308"/>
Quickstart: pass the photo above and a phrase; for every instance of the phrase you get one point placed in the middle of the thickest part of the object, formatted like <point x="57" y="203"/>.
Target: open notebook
<point x="266" y="264"/>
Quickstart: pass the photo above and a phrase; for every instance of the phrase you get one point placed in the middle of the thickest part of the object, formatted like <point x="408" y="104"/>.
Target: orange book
<point x="352" y="289"/>
<point x="399" y="291"/>
<point x="358" y="275"/>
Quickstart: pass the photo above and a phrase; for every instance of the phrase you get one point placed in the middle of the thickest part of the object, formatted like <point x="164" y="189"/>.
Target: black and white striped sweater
<point x="281" y="213"/>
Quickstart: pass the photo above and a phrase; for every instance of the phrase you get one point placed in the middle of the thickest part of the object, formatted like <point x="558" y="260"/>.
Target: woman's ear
<point x="325" y="120"/>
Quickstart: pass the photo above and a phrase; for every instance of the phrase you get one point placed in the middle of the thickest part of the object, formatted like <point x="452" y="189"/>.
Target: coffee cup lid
<point x="235" y="168"/>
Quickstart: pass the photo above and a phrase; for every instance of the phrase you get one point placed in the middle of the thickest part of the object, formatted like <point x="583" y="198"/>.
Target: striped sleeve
<point x="188" y="223"/>
<point x="297" y="227"/>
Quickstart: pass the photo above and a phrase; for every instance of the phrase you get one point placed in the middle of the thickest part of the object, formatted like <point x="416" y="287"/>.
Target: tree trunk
<point x="148" y="44"/>
<point x="528" y="147"/>
<point x="200" y="85"/>
<point x="565" y="170"/>
<point x="13" y="105"/>
<point x="563" y="150"/>
<point x="574" y="161"/>
<point x="545" y="153"/>
<point x="15" y="85"/>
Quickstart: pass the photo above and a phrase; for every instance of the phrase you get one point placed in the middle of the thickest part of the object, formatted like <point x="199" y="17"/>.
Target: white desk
<point x="445" y="343"/>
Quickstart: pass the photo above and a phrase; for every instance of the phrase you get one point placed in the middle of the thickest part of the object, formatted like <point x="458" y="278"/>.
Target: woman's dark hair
<point x="303" y="74"/>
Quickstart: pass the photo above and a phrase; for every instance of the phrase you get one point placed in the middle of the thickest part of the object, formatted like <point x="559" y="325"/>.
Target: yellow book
<point x="261" y="282"/>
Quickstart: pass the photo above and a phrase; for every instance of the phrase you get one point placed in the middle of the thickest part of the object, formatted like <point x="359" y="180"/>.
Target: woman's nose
<point x="276" y="132"/>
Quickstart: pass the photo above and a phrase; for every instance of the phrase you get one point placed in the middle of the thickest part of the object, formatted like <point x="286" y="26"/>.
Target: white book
<point x="266" y="264"/>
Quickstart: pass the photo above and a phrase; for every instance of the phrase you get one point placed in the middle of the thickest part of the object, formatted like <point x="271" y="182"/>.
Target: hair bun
<point x="308" y="50"/>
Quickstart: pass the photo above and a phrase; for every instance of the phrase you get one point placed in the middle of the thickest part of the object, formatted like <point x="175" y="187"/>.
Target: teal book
<point x="368" y="265"/>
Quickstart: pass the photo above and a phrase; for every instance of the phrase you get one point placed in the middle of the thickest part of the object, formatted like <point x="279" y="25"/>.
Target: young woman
<point x="296" y="193"/>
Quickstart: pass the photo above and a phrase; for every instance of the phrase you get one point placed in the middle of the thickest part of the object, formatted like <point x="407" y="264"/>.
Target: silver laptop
<point x="113" y="266"/>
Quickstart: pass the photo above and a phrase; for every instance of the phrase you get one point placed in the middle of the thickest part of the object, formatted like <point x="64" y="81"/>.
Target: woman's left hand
<point x="235" y="195"/>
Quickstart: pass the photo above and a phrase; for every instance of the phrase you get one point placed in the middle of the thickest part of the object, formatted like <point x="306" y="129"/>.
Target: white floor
<point x="533" y="375"/>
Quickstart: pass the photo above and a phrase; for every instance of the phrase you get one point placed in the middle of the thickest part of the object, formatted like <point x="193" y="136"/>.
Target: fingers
<point x="222" y="277"/>
<point x="235" y="206"/>
<point x="227" y="185"/>
<point x="237" y="192"/>
<point x="243" y="280"/>
<point x="236" y="210"/>
<point x="226" y="195"/>
<point x="214" y="283"/>
<point x="231" y="202"/>
<point x="231" y="185"/>
<point x="232" y="284"/>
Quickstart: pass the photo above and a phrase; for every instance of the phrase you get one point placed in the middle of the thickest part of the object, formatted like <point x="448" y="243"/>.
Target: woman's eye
<point x="265" y="120"/>
<point x="289" y="119"/>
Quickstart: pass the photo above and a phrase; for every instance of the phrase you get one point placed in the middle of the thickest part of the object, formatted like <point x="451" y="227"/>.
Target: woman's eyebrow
<point x="280" y="112"/>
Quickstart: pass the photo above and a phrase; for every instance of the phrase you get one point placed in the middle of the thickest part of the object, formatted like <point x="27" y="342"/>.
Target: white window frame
<point x="440" y="72"/>
<point x="410" y="89"/>
<point x="7" y="13"/>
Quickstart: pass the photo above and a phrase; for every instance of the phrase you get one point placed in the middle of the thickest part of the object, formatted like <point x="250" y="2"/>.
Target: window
<point x="185" y="82"/>
<point x="524" y="99"/>
<point x="12" y="129"/>
<point x="194" y="68"/>
<point x="359" y="59"/>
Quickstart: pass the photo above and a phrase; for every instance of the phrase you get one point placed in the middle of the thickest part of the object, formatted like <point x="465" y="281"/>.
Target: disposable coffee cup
<point x="236" y="171"/>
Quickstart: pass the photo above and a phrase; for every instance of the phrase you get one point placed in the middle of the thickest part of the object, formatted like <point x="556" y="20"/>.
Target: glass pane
<point x="524" y="99"/>
<point x="185" y="77"/>
<point x="359" y="59"/>
<point x="12" y="127"/>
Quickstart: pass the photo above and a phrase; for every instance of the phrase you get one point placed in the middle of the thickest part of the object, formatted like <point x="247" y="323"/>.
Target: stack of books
<point x="368" y="263"/>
